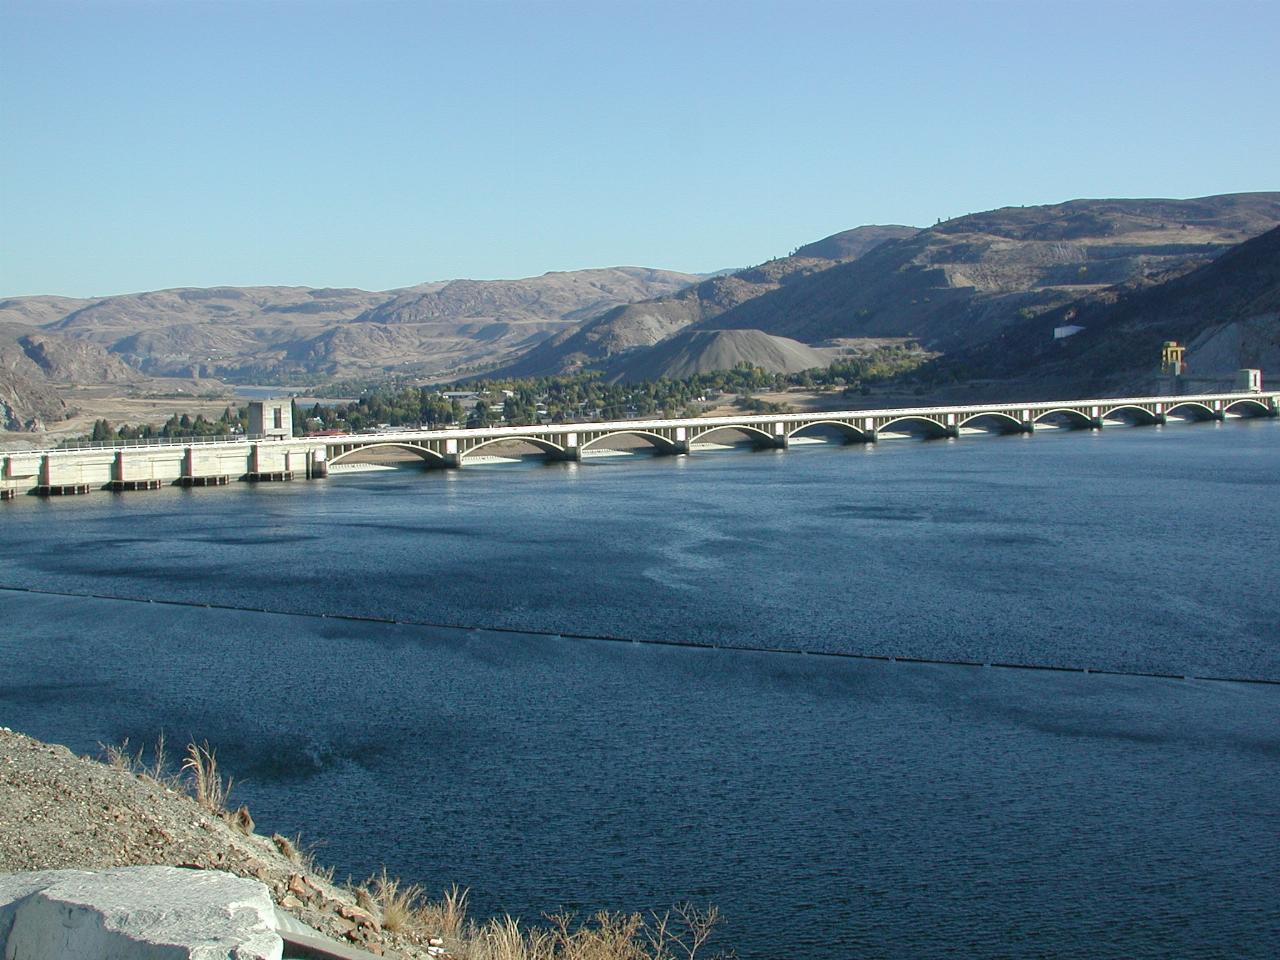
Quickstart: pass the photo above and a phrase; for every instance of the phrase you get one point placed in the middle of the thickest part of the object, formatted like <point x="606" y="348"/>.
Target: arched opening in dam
<point x="913" y="427"/>
<point x="1189" y="411"/>
<point x="512" y="450"/>
<point x="636" y="442"/>
<point x="1063" y="420"/>
<point x="1247" y="407"/>
<point x="384" y="456"/>
<point x="729" y="436"/>
<point x="1130" y="416"/>
<point x="828" y="431"/>
<point x="992" y="423"/>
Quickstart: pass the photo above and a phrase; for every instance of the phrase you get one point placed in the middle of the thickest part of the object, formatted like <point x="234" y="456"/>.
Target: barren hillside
<point x="274" y="332"/>
<point x="646" y="323"/>
<point x="962" y="281"/>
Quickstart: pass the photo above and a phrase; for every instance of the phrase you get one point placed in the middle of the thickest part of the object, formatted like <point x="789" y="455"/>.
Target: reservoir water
<point x="832" y="807"/>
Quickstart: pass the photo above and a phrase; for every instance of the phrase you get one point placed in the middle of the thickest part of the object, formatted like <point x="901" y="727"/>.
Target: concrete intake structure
<point x="147" y="466"/>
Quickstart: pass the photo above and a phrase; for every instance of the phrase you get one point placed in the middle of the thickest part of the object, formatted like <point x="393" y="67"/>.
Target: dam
<point x="270" y="454"/>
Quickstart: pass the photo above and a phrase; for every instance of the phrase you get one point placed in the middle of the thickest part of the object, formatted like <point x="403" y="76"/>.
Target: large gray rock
<point x="136" y="913"/>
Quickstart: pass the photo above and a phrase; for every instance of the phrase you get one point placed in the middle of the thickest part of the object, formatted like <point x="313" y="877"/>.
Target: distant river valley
<point x="766" y="755"/>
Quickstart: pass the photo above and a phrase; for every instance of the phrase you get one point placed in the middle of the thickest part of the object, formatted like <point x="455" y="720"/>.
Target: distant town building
<point x="271" y="418"/>
<point x="1061" y="333"/>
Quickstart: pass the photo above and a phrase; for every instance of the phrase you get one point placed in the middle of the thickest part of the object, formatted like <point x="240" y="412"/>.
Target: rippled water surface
<point x="832" y="807"/>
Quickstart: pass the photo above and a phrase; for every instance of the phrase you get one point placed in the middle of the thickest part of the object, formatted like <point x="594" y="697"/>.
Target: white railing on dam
<point x="208" y="461"/>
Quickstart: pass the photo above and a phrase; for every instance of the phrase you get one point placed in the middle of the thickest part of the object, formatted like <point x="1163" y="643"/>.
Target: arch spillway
<point x="1203" y="412"/>
<point x="850" y="433"/>
<point x="1251" y="403"/>
<point x="546" y="446"/>
<point x="755" y="434"/>
<point x="1142" y="415"/>
<point x="1078" y="419"/>
<point x="1007" y="423"/>
<point x="657" y="441"/>
<point x="430" y="457"/>
<point x="932" y="428"/>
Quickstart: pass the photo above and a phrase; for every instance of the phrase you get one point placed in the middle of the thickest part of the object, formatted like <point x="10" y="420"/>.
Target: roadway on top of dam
<point x="568" y="440"/>
<point x="203" y="462"/>
<point x="771" y="428"/>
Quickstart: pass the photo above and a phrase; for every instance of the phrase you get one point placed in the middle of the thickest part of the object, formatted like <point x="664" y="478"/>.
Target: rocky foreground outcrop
<point x="62" y="812"/>
<point x="59" y="812"/>
<point x="137" y="913"/>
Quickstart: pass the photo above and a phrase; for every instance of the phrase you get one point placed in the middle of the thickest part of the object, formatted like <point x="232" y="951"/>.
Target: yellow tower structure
<point x="1172" y="363"/>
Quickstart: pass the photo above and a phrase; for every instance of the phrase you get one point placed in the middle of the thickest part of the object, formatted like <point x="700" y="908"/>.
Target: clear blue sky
<point x="373" y="144"/>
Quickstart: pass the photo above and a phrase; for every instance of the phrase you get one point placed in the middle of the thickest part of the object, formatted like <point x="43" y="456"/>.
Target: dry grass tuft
<point x="242" y="820"/>
<point x="119" y="757"/>
<point x="302" y="856"/>
<point x="446" y="917"/>
<point x="679" y="934"/>
<point x="504" y="940"/>
<point x="398" y="904"/>
<point x="287" y="849"/>
<point x="122" y="758"/>
<point x="207" y="785"/>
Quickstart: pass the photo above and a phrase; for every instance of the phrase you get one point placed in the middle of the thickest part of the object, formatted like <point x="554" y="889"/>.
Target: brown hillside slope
<point x="33" y="363"/>
<point x="245" y="332"/>
<point x="1227" y="310"/>
<point x="961" y="282"/>
<point x="643" y="324"/>
<point x="468" y="322"/>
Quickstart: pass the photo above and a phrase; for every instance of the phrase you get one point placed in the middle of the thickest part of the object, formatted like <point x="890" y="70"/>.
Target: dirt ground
<point x="153" y="402"/>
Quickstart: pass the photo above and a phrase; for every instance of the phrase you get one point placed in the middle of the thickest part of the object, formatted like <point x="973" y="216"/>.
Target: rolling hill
<point x="643" y="324"/>
<point x="963" y="281"/>
<point x="274" y="332"/>
<point x="1227" y="311"/>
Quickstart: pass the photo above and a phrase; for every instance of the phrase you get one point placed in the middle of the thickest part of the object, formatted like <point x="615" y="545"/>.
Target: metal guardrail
<point x="155" y="442"/>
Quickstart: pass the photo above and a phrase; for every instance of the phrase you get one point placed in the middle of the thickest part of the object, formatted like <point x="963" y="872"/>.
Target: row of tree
<point x="590" y="396"/>
<point x="231" y="422"/>
<point x="558" y="399"/>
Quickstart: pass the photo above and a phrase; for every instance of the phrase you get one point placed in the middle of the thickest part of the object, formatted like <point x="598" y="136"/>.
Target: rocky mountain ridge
<point x="274" y="332"/>
<point x="951" y="286"/>
<point x="644" y="324"/>
<point x="1227" y="311"/>
<point x="32" y="361"/>
<point x="960" y="282"/>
